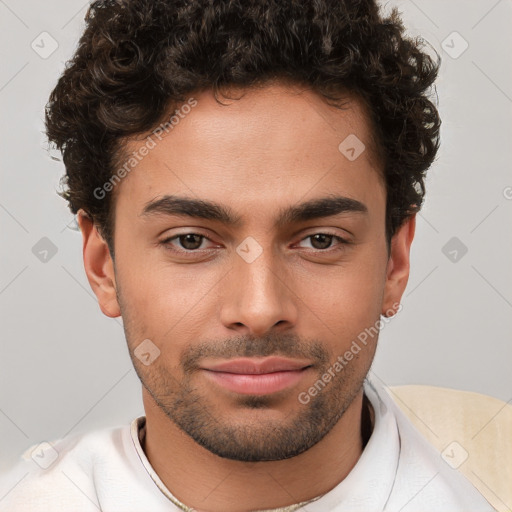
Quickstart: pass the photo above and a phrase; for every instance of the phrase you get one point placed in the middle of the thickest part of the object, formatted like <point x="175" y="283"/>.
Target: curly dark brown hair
<point x="137" y="59"/>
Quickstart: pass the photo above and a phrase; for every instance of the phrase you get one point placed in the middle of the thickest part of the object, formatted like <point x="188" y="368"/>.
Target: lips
<point x="256" y="376"/>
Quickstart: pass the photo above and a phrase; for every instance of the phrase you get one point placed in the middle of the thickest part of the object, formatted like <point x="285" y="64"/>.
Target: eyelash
<point x="167" y="243"/>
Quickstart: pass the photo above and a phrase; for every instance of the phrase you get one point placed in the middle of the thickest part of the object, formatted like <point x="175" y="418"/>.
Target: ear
<point x="397" y="272"/>
<point x="99" y="266"/>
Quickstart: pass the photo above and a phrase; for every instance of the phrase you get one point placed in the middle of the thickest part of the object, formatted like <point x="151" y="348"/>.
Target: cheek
<point x="344" y="300"/>
<point x="168" y="304"/>
<point x="355" y="283"/>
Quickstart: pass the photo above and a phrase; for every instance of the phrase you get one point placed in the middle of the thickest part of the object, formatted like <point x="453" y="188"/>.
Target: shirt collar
<point x="367" y="487"/>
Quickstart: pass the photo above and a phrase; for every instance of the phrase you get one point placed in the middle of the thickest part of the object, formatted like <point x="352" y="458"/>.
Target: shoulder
<point x="62" y="471"/>
<point x="437" y="428"/>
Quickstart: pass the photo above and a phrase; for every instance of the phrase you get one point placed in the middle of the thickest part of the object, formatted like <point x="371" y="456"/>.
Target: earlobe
<point x="99" y="266"/>
<point x="397" y="272"/>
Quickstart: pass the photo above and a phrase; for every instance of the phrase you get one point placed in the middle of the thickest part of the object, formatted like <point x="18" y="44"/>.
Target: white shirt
<point x="107" y="470"/>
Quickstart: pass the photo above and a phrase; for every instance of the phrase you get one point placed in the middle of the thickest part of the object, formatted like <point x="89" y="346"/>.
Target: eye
<point x="193" y="242"/>
<point x="323" y="241"/>
<point x="188" y="242"/>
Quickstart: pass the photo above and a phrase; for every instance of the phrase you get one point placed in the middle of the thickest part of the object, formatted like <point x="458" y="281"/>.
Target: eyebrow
<point x="208" y="210"/>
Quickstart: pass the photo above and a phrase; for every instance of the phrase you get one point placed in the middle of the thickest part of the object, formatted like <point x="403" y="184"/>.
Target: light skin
<point x="304" y="297"/>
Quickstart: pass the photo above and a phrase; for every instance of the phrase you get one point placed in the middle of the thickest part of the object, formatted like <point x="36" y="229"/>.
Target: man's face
<point x="208" y="290"/>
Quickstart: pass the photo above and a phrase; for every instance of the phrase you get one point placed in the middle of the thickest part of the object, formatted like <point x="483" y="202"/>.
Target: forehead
<point x="259" y="145"/>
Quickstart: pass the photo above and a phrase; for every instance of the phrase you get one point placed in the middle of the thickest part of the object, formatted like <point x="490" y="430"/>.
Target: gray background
<point x="64" y="367"/>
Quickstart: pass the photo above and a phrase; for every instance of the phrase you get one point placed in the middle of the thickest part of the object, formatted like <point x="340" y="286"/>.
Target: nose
<point x="258" y="296"/>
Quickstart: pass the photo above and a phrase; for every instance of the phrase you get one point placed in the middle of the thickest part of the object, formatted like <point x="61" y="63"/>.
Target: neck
<point x="204" y="481"/>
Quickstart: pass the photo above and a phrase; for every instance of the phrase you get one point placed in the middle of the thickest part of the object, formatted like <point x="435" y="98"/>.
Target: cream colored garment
<point x="472" y="432"/>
